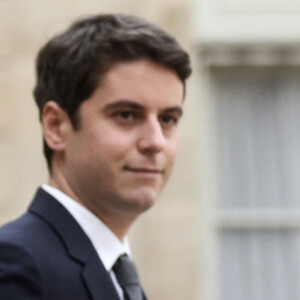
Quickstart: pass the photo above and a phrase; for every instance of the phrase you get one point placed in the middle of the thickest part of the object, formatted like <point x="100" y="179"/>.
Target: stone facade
<point x="165" y="240"/>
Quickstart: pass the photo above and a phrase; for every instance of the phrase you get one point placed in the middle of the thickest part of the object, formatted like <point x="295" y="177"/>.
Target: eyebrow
<point x="123" y="103"/>
<point x="135" y="105"/>
<point x="175" y="109"/>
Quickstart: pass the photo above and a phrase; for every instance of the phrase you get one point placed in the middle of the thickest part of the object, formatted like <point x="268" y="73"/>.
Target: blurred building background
<point x="227" y="226"/>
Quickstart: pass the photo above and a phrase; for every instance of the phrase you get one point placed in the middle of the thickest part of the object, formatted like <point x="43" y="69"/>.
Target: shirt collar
<point x="106" y="244"/>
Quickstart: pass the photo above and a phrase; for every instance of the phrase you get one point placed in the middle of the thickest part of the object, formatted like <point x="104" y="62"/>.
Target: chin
<point x="141" y="202"/>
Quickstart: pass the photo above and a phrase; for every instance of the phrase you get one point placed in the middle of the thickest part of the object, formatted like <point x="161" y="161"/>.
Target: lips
<point x="143" y="170"/>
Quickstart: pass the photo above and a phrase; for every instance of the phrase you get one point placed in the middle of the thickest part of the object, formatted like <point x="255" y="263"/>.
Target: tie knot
<point x="126" y="271"/>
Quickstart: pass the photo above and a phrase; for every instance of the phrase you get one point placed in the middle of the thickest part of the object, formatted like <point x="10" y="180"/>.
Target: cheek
<point x="172" y="150"/>
<point x="112" y="146"/>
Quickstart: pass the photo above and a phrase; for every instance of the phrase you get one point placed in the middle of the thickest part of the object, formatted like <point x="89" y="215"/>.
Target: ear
<point x="55" y="123"/>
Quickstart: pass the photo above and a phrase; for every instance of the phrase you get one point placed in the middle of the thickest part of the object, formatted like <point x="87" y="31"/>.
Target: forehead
<point x="142" y="81"/>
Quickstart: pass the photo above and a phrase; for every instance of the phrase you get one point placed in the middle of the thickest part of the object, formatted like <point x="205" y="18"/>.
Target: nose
<point x="152" y="138"/>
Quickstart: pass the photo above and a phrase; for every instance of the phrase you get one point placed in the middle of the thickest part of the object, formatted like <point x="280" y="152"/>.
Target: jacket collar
<point x="77" y="243"/>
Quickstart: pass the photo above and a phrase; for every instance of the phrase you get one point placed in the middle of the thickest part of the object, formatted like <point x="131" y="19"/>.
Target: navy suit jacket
<point x="46" y="255"/>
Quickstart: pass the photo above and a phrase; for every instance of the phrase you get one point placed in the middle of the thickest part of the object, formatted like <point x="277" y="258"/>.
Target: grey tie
<point x="128" y="278"/>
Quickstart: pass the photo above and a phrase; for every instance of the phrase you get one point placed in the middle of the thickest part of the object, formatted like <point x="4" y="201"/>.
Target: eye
<point x="125" y="115"/>
<point x="169" y="120"/>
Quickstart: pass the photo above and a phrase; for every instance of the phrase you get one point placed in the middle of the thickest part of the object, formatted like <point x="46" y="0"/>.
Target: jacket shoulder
<point x="19" y="274"/>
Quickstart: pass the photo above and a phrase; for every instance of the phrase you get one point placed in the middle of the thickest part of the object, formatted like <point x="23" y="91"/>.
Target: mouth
<point x="143" y="170"/>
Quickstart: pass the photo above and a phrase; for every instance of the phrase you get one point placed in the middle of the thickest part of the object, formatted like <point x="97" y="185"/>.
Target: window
<point x="258" y="219"/>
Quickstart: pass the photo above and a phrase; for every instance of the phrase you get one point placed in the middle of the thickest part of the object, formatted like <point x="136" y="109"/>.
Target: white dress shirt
<point x="105" y="242"/>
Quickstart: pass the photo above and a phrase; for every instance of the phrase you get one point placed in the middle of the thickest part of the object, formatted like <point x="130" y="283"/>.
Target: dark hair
<point x="71" y="65"/>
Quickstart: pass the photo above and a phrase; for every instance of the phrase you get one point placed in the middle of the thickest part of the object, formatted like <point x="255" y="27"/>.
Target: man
<point x="110" y="91"/>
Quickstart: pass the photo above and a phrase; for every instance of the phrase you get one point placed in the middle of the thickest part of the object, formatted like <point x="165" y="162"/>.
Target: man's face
<point x="121" y="156"/>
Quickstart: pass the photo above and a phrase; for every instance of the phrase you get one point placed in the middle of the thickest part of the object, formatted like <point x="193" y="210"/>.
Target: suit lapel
<point x="79" y="247"/>
<point x="98" y="281"/>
